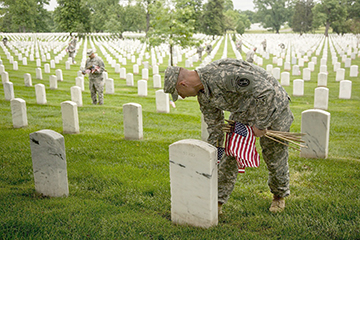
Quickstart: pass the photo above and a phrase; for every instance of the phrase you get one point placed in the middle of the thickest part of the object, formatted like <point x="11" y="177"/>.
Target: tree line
<point x="214" y="17"/>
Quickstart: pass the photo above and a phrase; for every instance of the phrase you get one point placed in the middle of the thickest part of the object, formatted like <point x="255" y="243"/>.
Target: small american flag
<point x="241" y="145"/>
<point x="220" y="153"/>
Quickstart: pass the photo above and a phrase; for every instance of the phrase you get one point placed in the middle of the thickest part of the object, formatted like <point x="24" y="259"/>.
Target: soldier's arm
<point x="214" y="118"/>
<point x="101" y="66"/>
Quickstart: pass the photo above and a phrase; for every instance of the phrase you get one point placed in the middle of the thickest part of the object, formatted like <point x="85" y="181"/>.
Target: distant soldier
<point x="95" y="67"/>
<point x="74" y="41"/>
<point x="263" y="43"/>
<point x="200" y="50"/>
<point x="208" y="49"/>
<point x="239" y="45"/>
<point x="5" y="40"/>
<point x="71" y="50"/>
<point x="250" y="55"/>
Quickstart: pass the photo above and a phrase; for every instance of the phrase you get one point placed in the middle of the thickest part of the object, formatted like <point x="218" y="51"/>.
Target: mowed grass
<point x="120" y="189"/>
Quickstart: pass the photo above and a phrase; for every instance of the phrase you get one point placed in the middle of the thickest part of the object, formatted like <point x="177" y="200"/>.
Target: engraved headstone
<point x="133" y="123"/>
<point x="18" y="111"/>
<point x="70" y="117"/>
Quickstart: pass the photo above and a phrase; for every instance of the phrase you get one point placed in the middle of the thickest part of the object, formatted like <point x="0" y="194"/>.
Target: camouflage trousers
<point x="72" y="56"/>
<point x="96" y="86"/>
<point x="274" y="154"/>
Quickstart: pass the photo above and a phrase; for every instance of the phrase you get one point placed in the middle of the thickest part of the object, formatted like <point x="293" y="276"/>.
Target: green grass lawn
<point x="120" y="189"/>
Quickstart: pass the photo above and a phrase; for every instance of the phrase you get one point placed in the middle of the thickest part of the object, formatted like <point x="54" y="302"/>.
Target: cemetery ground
<point x="120" y="189"/>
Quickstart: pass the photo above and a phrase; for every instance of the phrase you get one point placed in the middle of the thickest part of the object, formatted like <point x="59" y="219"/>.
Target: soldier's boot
<point x="220" y="208"/>
<point x="277" y="204"/>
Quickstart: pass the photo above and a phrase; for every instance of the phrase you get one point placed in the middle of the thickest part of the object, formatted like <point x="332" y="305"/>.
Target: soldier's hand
<point x="258" y="132"/>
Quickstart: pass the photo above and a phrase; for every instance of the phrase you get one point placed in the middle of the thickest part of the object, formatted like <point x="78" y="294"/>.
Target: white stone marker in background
<point x="321" y="98"/>
<point x="298" y="87"/>
<point x="157" y="81"/>
<point x="136" y="69"/>
<point x="15" y="66"/>
<point x="296" y="70"/>
<point x="142" y="88"/>
<point x="129" y="79"/>
<point x="276" y="73"/>
<point x="49" y="163"/>
<point x="354" y="71"/>
<point x="59" y="74"/>
<point x="109" y="86"/>
<point x="18" y="111"/>
<point x="38" y="74"/>
<point x="316" y="125"/>
<point x="40" y="94"/>
<point x="53" y="82"/>
<point x="24" y="61"/>
<point x="322" y="79"/>
<point x="47" y="68"/>
<point x="193" y="183"/>
<point x="340" y="75"/>
<point x="9" y="91"/>
<point x="79" y="81"/>
<point x="345" y="89"/>
<point x="145" y="74"/>
<point x="67" y="65"/>
<point x="27" y="79"/>
<point x="162" y="102"/>
<point x="52" y="64"/>
<point x="70" y="117"/>
<point x="2" y="69"/>
<point x="269" y="68"/>
<point x="122" y="73"/>
<point x="306" y="74"/>
<point x="76" y="95"/>
<point x="155" y="69"/>
<point x="133" y="123"/>
<point x="285" y="79"/>
<point x="5" y="77"/>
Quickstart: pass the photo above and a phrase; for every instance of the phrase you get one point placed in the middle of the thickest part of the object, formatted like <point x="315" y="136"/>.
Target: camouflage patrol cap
<point x="170" y="81"/>
<point x="90" y="51"/>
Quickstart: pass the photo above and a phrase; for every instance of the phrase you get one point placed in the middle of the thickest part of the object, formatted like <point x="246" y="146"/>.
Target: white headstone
<point x="38" y="74"/>
<point x="15" y="66"/>
<point x="70" y="118"/>
<point x="9" y="91"/>
<point x="340" y="75"/>
<point x="321" y="98"/>
<point x="287" y="66"/>
<point x="40" y="94"/>
<point x="276" y="73"/>
<point x="296" y="70"/>
<point x="67" y="65"/>
<point x="49" y="163"/>
<point x="345" y="89"/>
<point x="59" y="74"/>
<point x="24" y="61"/>
<point x="122" y="73"/>
<point x="306" y="74"/>
<point x="316" y="126"/>
<point x="79" y="81"/>
<point x="47" y="68"/>
<point x="5" y="77"/>
<point x="157" y="81"/>
<point x="76" y="95"/>
<point x="53" y="82"/>
<point x="285" y="79"/>
<point x="155" y="69"/>
<point x="162" y="102"/>
<point x="322" y="79"/>
<point x="117" y="68"/>
<point x="194" y="183"/>
<point x="142" y="88"/>
<point x="145" y="74"/>
<point x="133" y="123"/>
<point x="27" y="79"/>
<point x="2" y="69"/>
<point x="129" y="79"/>
<point x="136" y="69"/>
<point x="18" y="111"/>
<point x="298" y="87"/>
<point x="109" y="86"/>
<point x="269" y="68"/>
<point x="52" y="64"/>
<point x="354" y="71"/>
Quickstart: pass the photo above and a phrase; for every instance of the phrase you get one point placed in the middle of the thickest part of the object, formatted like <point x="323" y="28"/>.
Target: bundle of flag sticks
<point x="278" y="136"/>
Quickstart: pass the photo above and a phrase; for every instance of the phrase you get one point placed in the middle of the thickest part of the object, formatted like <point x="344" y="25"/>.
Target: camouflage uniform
<point x="250" y="56"/>
<point x="200" y="50"/>
<point x="208" y="49"/>
<point x="253" y="97"/>
<point x="96" y="80"/>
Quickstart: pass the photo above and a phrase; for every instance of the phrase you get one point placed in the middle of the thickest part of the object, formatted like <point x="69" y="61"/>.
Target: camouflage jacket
<point x="96" y="61"/>
<point x="253" y="96"/>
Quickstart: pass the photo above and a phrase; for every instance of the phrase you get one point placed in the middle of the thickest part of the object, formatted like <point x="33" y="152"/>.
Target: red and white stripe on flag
<point x="241" y="145"/>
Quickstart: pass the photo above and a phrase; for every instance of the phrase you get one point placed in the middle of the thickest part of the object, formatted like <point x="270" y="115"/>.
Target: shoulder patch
<point x="242" y="82"/>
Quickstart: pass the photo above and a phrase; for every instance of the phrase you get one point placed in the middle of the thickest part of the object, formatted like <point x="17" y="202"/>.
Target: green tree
<point x="303" y="16"/>
<point x="100" y="13"/>
<point x="272" y="13"/>
<point x="172" y="23"/>
<point x="213" y="17"/>
<point x="134" y="18"/>
<point x="21" y="15"/>
<point x="72" y="16"/>
<point x="329" y="13"/>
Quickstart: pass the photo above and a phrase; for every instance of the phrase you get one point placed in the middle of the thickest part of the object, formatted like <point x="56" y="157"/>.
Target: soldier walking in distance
<point x="208" y="49"/>
<point x="95" y="67"/>
<point x="254" y="98"/>
<point x="250" y="55"/>
<point x="200" y="50"/>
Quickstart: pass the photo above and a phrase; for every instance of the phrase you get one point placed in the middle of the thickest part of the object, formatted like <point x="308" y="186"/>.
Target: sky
<point x="242" y="5"/>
